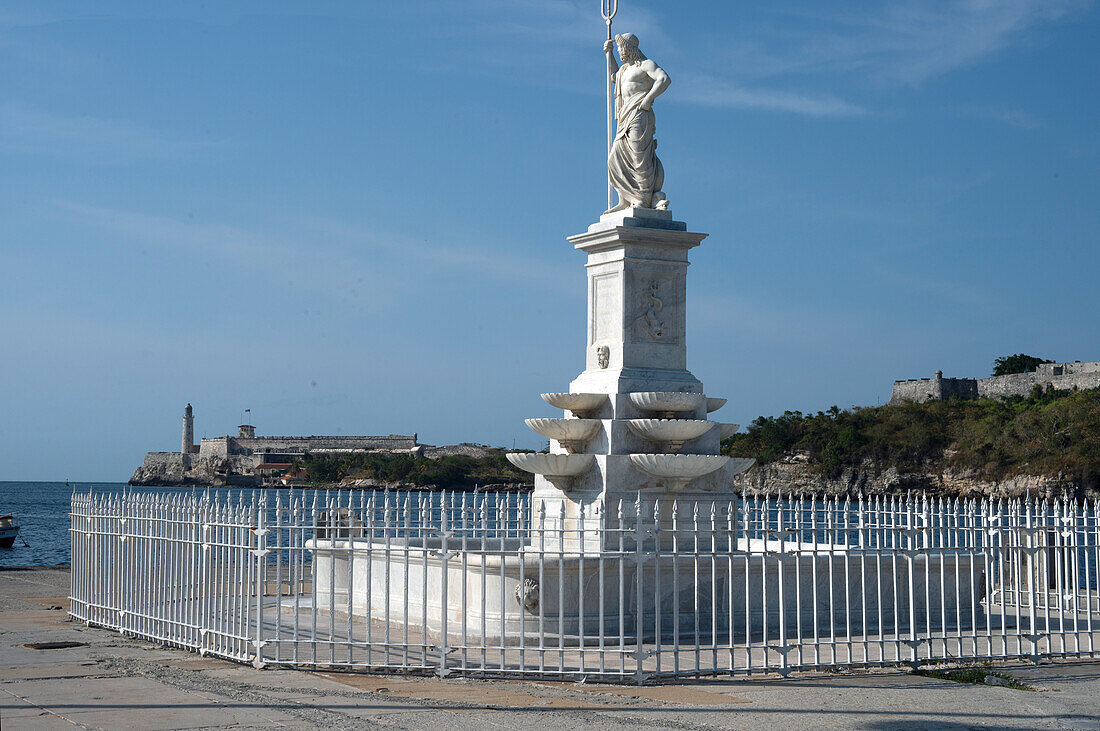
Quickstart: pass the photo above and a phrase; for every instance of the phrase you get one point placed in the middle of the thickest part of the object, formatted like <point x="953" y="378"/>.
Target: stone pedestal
<point x="637" y="291"/>
<point x="635" y="342"/>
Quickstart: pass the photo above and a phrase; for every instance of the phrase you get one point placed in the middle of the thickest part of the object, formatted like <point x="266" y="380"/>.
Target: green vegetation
<point x="458" y="471"/>
<point x="976" y="674"/>
<point x="1047" y="433"/>
<point x="1019" y="363"/>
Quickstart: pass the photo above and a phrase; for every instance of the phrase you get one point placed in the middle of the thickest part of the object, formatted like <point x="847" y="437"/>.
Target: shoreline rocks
<point x="793" y="475"/>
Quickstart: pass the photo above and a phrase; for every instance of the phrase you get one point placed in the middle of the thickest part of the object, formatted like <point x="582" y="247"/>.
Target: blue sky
<point x="351" y="217"/>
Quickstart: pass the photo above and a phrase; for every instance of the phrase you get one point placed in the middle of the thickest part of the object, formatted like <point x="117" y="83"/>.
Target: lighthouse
<point x="188" y="445"/>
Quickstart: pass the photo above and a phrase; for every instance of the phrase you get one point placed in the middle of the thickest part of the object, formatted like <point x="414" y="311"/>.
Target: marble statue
<point x="634" y="168"/>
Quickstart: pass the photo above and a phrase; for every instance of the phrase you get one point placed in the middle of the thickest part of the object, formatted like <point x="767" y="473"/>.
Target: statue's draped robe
<point x="636" y="172"/>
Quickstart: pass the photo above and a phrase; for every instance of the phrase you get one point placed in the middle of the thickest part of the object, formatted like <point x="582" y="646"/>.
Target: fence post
<point x="780" y="535"/>
<point x="444" y="554"/>
<point x="261" y="576"/>
<point x="639" y="620"/>
<point x="205" y="609"/>
<point x="912" y="532"/>
<point x="1032" y="582"/>
<point x="132" y="566"/>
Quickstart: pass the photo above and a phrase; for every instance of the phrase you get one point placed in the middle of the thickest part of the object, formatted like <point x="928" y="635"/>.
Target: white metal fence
<point x="502" y="584"/>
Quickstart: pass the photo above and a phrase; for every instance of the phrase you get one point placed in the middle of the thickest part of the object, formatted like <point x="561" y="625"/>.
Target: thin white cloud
<point x="895" y="42"/>
<point x="770" y="66"/>
<point x="712" y="92"/>
<point x="328" y="256"/>
<point x="29" y="130"/>
<point x="923" y="42"/>
<point x="485" y="259"/>
<point x="1016" y="118"/>
<point x="1012" y="116"/>
<point x="848" y="53"/>
<point x="282" y="258"/>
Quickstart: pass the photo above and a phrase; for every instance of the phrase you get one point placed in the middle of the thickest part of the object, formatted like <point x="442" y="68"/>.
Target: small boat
<point x="8" y="531"/>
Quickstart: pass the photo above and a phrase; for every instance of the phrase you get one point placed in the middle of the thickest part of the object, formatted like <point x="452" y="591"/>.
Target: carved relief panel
<point x="655" y="309"/>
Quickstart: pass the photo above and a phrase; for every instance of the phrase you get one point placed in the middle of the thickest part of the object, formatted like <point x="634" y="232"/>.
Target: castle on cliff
<point x="1060" y="376"/>
<point x="247" y="458"/>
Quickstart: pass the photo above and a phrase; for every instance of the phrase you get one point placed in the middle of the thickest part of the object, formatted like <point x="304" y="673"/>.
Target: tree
<point x="1019" y="363"/>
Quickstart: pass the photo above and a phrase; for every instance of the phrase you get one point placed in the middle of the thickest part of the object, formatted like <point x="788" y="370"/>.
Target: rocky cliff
<point x="793" y="474"/>
<point x="167" y="469"/>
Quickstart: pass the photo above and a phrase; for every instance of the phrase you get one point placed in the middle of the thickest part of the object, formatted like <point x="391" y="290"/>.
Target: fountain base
<point x="515" y="594"/>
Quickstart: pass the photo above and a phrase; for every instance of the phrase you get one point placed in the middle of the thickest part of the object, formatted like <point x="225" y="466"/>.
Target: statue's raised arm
<point x="635" y="170"/>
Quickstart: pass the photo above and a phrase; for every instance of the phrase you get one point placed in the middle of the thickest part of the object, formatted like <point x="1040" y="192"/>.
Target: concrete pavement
<point x="112" y="682"/>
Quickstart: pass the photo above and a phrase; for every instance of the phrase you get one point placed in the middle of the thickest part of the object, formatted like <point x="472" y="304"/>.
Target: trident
<point x="608" y="9"/>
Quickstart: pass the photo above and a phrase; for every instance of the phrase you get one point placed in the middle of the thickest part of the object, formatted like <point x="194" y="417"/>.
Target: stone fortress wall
<point x="215" y="459"/>
<point x="1061" y="376"/>
<point x="228" y="446"/>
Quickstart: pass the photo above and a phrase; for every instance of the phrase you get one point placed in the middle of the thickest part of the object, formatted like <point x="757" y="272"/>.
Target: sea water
<point x="41" y="511"/>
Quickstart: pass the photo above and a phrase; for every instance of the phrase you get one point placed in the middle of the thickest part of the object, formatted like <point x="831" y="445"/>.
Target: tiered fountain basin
<point x="552" y="465"/>
<point x="678" y="470"/>
<point x="670" y="432"/>
<point x="667" y="403"/>
<point x="572" y="434"/>
<point x="618" y="477"/>
<point x="560" y="470"/>
<point x="581" y="404"/>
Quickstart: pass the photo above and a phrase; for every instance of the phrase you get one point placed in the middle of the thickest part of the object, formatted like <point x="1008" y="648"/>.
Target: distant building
<point x="250" y="456"/>
<point x="285" y="450"/>
<point x="1061" y="376"/>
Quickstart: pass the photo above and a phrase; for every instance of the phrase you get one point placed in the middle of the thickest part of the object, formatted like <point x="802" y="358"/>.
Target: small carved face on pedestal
<point x="603" y="356"/>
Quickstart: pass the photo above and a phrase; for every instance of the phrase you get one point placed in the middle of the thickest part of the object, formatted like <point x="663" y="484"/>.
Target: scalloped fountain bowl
<point x="727" y="431"/>
<point x="578" y="403"/>
<point x="552" y="465"/>
<point x="737" y="465"/>
<point x="571" y="433"/>
<point x="666" y="403"/>
<point x="678" y="469"/>
<point x="673" y="432"/>
<point x="713" y="404"/>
